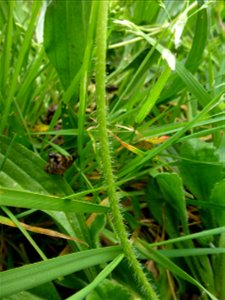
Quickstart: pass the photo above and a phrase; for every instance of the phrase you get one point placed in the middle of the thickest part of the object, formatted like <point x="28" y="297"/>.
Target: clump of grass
<point x="151" y="86"/>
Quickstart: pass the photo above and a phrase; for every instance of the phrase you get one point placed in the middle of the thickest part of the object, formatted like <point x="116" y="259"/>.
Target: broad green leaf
<point x="26" y="169"/>
<point x="46" y="289"/>
<point x="218" y="197"/>
<point x="144" y="12"/>
<point x="96" y="227"/>
<point x="111" y="290"/>
<point x="22" y="296"/>
<point x="65" y="32"/>
<point x="37" y="293"/>
<point x="200" y="171"/>
<point x="29" y="276"/>
<point x="199" y="167"/>
<point x="162" y="210"/>
<point x="171" y="187"/>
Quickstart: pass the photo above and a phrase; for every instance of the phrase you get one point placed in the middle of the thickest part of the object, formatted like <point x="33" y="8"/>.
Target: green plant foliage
<point x="163" y="210"/>
<point x="217" y="197"/>
<point x="111" y="290"/>
<point x="195" y="55"/>
<point x="200" y="167"/>
<point x="20" y="279"/>
<point x="112" y="145"/>
<point x="38" y="201"/>
<point x="65" y="35"/>
<point x="172" y="192"/>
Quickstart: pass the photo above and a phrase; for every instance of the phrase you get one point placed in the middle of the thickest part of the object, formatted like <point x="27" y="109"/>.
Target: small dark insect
<point x="58" y="164"/>
<point x="111" y="88"/>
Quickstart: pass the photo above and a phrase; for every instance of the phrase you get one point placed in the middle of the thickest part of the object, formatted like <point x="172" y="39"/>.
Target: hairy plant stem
<point x="101" y="36"/>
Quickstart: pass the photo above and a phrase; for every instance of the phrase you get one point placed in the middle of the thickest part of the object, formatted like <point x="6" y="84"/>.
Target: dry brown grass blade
<point x="40" y="230"/>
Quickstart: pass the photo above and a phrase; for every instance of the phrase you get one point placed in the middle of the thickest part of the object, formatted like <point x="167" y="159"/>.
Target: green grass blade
<point x="192" y="252"/>
<point x="66" y="132"/>
<point x="192" y="84"/>
<point x="168" y="264"/>
<point x="16" y="198"/>
<point x="187" y="237"/>
<point x="84" y="83"/>
<point x="154" y="95"/>
<point x="7" y="48"/>
<point x="29" y="276"/>
<point x="139" y="161"/>
<point x="24" y="170"/>
<point x="220" y="269"/>
<point x="25" y="233"/>
<point x="195" y="54"/>
<point x="72" y="89"/>
<point x="26" y="43"/>
<point x="34" y="70"/>
<point x="101" y="276"/>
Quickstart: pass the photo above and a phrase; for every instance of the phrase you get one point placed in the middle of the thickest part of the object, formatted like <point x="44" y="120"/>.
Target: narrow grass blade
<point x="191" y="252"/>
<point x="7" y="46"/>
<point x="66" y="132"/>
<point x="168" y="264"/>
<point x="154" y="95"/>
<point x="26" y="43"/>
<point x="189" y="80"/>
<point x="135" y="163"/>
<point x="83" y="95"/>
<point x="104" y="273"/>
<point x="195" y="54"/>
<point x="220" y="269"/>
<point x="187" y="237"/>
<point x="25" y="233"/>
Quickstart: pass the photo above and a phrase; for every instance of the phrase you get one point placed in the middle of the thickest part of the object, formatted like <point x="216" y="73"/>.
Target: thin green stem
<point x="24" y="231"/>
<point x="101" y="37"/>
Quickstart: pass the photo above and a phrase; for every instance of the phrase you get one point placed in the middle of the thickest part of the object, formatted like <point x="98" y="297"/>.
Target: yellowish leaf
<point x="49" y="232"/>
<point x="40" y="128"/>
